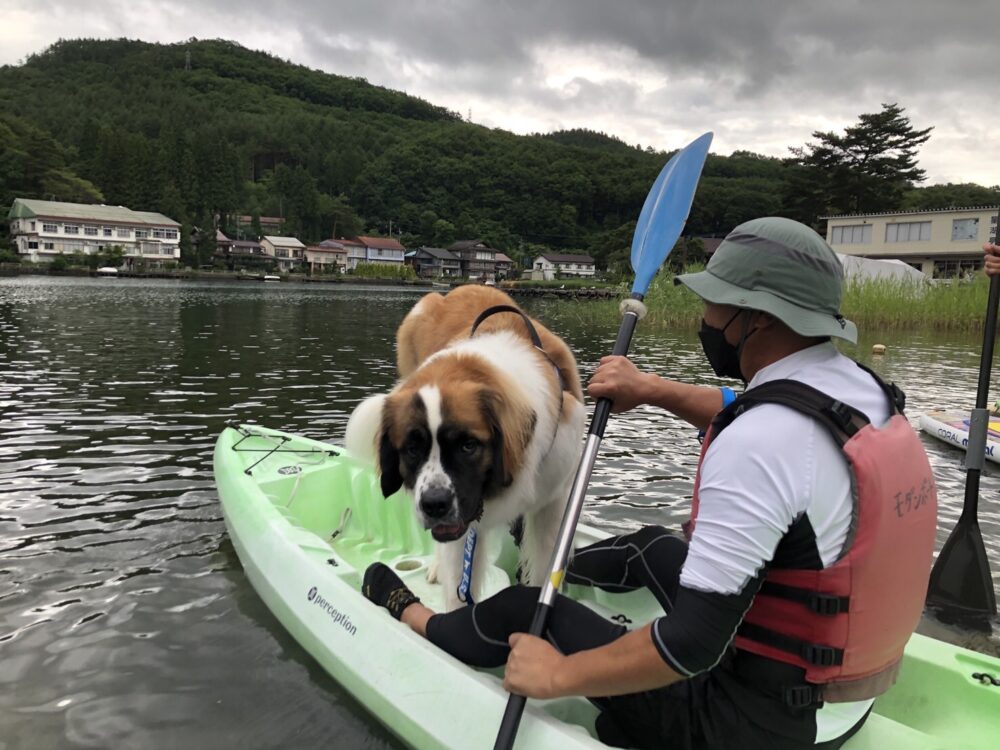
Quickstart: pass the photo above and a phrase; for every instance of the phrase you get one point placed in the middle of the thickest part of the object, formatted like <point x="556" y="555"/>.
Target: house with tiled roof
<point x="241" y="254"/>
<point x="477" y="257"/>
<point x="563" y="265"/>
<point x="329" y="256"/>
<point x="432" y="262"/>
<point x="289" y="252"/>
<point x="41" y="230"/>
<point x="382" y="249"/>
<point x="505" y="266"/>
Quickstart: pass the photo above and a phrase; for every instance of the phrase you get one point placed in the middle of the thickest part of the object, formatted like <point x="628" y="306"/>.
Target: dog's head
<point x="455" y="435"/>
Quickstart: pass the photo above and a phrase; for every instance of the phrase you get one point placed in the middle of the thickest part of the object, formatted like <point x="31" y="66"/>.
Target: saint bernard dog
<point x="484" y="428"/>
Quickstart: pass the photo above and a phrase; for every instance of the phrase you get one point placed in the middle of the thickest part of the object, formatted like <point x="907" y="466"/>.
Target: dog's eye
<point x="412" y="451"/>
<point x="469" y="446"/>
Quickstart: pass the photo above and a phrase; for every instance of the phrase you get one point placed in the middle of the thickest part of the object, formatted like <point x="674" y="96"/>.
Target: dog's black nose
<point x="436" y="502"/>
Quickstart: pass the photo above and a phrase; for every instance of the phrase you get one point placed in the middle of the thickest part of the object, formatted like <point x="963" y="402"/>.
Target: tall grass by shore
<point x="874" y="304"/>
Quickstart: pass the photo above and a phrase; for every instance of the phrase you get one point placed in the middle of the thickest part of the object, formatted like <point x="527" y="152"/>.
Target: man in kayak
<point x="804" y="568"/>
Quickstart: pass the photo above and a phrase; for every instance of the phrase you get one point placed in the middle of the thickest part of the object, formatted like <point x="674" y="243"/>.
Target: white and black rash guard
<point x="775" y="490"/>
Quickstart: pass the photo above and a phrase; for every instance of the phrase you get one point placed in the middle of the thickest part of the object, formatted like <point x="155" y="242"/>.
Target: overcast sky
<point x="762" y="74"/>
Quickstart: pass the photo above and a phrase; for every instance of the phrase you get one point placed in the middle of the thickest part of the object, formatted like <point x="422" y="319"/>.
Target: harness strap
<point x="536" y="341"/>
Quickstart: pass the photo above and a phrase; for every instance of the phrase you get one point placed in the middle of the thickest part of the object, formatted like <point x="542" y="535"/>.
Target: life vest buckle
<point x="801" y="696"/>
<point x="821" y="656"/>
<point x="827" y="604"/>
<point x="841" y="414"/>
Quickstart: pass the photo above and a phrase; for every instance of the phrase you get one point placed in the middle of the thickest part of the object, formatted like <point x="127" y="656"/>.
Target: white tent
<point x="856" y="267"/>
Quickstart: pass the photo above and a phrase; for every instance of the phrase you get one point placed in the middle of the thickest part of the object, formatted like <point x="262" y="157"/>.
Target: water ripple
<point x="124" y="615"/>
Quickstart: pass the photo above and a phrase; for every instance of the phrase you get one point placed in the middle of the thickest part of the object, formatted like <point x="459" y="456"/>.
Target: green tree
<point x="949" y="196"/>
<point x="204" y="245"/>
<point x="110" y="256"/>
<point x="444" y="233"/>
<point x="337" y="217"/>
<point x="870" y="166"/>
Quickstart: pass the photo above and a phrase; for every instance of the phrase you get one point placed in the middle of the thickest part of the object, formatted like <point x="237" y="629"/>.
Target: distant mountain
<point x="208" y="130"/>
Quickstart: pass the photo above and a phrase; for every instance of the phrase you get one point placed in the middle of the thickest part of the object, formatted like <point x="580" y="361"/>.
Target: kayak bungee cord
<point x="246" y="432"/>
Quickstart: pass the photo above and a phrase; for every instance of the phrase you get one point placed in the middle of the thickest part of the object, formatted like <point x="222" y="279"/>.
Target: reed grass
<point x="873" y="304"/>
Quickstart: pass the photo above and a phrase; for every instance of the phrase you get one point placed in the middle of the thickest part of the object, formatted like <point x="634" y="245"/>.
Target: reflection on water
<point x="125" y="620"/>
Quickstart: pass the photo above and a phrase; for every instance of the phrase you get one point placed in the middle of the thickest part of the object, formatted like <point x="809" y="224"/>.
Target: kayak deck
<point x="313" y="512"/>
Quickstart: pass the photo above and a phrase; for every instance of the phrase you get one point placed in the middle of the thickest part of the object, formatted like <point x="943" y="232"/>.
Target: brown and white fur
<point x="478" y="424"/>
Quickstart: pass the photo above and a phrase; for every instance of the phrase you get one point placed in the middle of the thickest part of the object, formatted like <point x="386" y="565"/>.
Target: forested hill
<point x="206" y="129"/>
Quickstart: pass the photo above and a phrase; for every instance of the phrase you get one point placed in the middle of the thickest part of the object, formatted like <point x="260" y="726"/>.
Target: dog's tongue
<point x="448" y="532"/>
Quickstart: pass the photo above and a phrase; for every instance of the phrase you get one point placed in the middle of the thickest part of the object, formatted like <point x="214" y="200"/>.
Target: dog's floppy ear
<point x="511" y="426"/>
<point x="388" y="456"/>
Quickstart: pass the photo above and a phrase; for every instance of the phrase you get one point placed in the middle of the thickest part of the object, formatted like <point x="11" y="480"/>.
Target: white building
<point x="562" y="265"/>
<point x="288" y="251"/>
<point x="941" y="243"/>
<point x="41" y="230"/>
<point x="382" y="250"/>
<point x="372" y="250"/>
<point x="329" y="256"/>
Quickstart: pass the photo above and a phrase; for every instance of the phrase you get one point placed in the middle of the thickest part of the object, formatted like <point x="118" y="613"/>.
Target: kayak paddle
<point x="660" y="223"/>
<point x="960" y="579"/>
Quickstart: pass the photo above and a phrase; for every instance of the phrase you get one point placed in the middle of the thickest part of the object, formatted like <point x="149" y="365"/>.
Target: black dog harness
<point x="536" y="341"/>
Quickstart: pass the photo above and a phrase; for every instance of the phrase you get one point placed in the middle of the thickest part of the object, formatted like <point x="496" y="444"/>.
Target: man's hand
<point x="621" y="381"/>
<point x="991" y="263"/>
<point x="532" y="667"/>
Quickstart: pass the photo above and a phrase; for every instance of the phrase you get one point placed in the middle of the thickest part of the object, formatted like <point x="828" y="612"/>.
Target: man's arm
<point x="629" y="664"/>
<point x="620" y="380"/>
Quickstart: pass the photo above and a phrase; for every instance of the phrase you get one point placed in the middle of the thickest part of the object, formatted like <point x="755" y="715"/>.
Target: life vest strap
<point x="818" y="602"/>
<point x="812" y="653"/>
<point x="841" y="420"/>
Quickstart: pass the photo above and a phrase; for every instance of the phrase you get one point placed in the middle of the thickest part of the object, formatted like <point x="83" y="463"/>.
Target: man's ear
<point x="388" y="456"/>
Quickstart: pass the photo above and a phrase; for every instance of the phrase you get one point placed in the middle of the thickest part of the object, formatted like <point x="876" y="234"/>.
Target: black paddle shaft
<point x="603" y="409"/>
<point x="960" y="579"/>
<point x="975" y="459"/>
<point x="515" y="703"/>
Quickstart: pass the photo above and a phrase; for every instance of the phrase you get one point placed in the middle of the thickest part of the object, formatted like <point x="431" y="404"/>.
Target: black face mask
<point x="723" y="356"/>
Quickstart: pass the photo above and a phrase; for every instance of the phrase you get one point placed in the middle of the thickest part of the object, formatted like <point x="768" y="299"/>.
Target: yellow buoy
<point x="878" y="349"/>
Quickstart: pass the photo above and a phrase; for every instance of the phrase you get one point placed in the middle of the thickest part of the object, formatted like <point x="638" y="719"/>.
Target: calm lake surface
<point x="125" y="618"/>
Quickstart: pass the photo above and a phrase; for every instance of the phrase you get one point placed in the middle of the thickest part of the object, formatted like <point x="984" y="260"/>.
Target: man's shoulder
<point x="766" y="429"/>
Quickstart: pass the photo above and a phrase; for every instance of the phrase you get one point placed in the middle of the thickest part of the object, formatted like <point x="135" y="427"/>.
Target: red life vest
<point x="847" y="624"/>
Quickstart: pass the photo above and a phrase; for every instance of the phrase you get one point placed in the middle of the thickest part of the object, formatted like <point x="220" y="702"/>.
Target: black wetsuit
<point x="721" y="707"/>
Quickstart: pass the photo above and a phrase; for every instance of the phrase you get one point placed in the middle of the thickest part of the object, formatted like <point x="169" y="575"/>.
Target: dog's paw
<point x="432" y="572"/>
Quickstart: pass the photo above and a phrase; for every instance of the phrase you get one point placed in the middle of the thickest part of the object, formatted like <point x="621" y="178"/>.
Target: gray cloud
<point x="763" y="73"/>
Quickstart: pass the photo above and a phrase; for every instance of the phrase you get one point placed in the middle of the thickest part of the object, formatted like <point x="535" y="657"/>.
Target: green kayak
<point x="306" y="519"/>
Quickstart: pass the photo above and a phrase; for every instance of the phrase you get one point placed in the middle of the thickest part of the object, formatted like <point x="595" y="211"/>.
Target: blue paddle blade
<point x="666" y="210"/>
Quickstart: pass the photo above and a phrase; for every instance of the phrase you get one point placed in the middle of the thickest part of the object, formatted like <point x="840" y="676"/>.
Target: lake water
<point x="125" y="619"/>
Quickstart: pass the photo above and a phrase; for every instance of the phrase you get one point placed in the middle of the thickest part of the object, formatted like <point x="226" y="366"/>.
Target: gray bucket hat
<point x="781" y="267"/>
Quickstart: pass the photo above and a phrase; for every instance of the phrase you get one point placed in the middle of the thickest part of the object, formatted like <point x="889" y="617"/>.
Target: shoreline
<point x="572" y="293"/>
<point x="12" y="269"/>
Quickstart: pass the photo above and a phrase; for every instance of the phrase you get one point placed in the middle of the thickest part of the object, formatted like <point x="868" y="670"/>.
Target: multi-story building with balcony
<point x="41" y="230"/>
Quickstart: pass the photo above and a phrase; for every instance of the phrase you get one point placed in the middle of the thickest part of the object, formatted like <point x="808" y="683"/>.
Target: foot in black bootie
<point x="386" y="589"/>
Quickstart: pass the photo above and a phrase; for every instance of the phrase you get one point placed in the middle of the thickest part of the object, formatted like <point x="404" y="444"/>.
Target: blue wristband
<point x="728" y="396"/>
